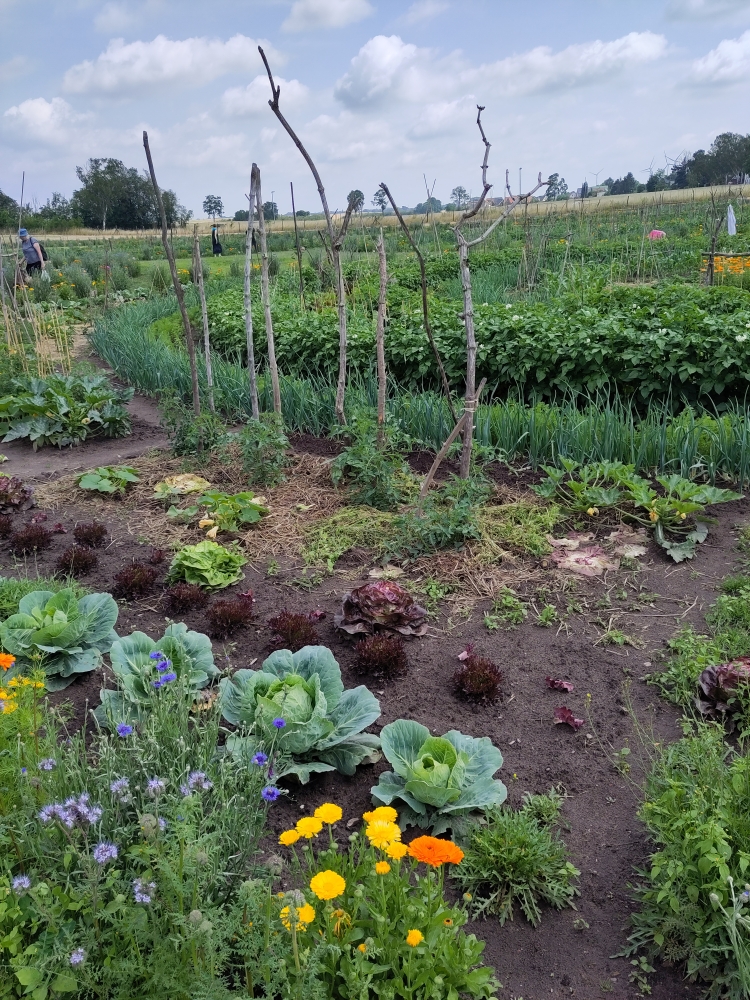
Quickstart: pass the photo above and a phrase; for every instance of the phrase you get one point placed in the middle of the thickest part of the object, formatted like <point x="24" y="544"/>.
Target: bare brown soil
<point x="605" y="839"/>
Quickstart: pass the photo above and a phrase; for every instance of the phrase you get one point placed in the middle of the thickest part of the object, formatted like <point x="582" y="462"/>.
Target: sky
<point x="378" y="90"/>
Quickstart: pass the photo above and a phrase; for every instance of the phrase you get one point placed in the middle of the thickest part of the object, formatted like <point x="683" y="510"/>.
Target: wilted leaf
<point x="589" y="561"/>
<point x="572" y="541"/>
<point x="180" y="484"/>
<point x="564" y="715"/>
<point x="558" y="685"/>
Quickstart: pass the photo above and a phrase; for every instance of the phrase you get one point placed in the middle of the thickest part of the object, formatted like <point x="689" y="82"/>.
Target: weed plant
<point x="263" y="447"/>
<point x="696" y="809"/>
<point x="518" y="859"/>
<point x="376" y="475"/>
<point x="507" y="611"/>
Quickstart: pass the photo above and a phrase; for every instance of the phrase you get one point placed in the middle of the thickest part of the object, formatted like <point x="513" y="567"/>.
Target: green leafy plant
<point x="109" y="479"/>
<point x="208" y="565"/>
<point x="187" y="660"/>
<point x="190" y="434"/>
<point x="507" y="611"/>
<point x="441" y="779"/>
<point x="376" y="475"/>
<point x="323" y="724"/>
<point x="697" y="811"/>
<point x="263" y="447"/>
<point x="64" y="634"/>
<point x="226" y="511"/>
<point x="518" y="859"/>
<point x="64" y="410"/>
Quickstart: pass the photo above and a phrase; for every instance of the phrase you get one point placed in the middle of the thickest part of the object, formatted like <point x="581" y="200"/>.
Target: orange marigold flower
<point x="382" y="867"/>
<point x="288" y="837"/>
<point x="435" y="852"/>
<point x="6" y="661"/>
<point x="396" y="850"/>
<point x="362" y="947"/>
<point x="414" y="937"/>
<point x="328" y="813"/>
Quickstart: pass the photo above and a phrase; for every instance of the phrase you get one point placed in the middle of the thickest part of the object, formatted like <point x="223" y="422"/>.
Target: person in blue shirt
<point x="32" y="252"/>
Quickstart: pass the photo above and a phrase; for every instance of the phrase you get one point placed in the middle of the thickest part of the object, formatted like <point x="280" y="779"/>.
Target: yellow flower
<point x="414" y="937"/>
<point x="653" y="516"/>
<point x="683" y="516"/>
<point x="396" y="850"/>
<point x="288" y="837"/>
<point x="385" y="813"/>
<point x="306" y="913"/>
<point x="381" y="833"/>
<point x="7" y="707"/>
<point x="305" y="916"/>
<point x="592" y="511"/>
<point x="362" y="947"/>
<point x="308" y="827"/>
<point x="382" y="867"/>
<point x="328" y="813"/>
<point x="327" y="884"/>
<point x="448" y="922"/>
<point x="341" y="921"/>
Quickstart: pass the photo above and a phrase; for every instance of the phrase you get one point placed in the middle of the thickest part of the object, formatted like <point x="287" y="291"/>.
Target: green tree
<point x="557" y="190"/>
<point x="213" y="206"/>
<point x="102" y="186"/>
<point x="460" y="196"/>
<point x="624" y="185"/>
<point x="241" y="215"/>
<point x="379" y="200"/>
<point x="177" y="214"/>
<point x="270" y="210"/>
<point x="356" y="199"/>
<point x="431" y="205"/>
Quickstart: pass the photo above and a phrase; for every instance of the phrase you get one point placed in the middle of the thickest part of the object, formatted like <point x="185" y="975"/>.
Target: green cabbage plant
<point x="63" y="635"/>
<point x="323" y="723"/>
<point x="140" y="676"/>
<point x="208" y="565"/>
<point x="441" y="779"/>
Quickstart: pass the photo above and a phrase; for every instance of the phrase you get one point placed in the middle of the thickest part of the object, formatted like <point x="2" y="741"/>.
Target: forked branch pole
<point x="175" y="280"/>
<point x="335" y="239"/>
<point x="425" y="310"/>
<point x="380" y="337"/>
<point x="249" y="337"/>
<point x="265" y="295"/>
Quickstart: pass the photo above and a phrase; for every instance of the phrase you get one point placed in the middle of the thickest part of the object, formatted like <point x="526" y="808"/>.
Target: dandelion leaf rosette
<point x="323" y="723"/>
<point x="382" y="604"/>
<point x="190" y="656"/>
<point x="442" y="779"/>
<point x="70" y="634"/>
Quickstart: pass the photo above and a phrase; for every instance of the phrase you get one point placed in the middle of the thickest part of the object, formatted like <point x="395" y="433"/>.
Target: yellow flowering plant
<point x="381" y="919"/>
<point x="20" y="727"/>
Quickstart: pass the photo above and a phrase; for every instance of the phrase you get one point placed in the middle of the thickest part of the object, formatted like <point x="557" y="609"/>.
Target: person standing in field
<point x="32" y="252"/>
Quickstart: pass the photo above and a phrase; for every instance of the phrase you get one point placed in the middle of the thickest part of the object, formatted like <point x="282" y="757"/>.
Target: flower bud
<point x="149" y="825"/>
<point x="195" y="916"/>
<point x="201" y="858"/>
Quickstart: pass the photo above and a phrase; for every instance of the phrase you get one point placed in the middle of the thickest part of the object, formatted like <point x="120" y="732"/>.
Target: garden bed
<point x="570" y="953"/>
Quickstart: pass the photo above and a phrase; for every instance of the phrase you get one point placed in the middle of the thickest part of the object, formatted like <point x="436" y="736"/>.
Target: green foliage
<point x="64" y="410"/>
<point x="170" y="329"/>
<point x="61" y="633"/>
<point x="507" y="611"/>
<point x="449" y="518"/>
<point x="12" y="590"/>
<point x="376" y="476"/>
<point x="263" y="446"/>
<point x="349" y="528"/>
<point x="696" y="809"/>
<point x="208" y="565"/>
<point x="517" y="859"/>
<point x="323" y="723"/>
<point x="441" y="780"/>
<point x="109" y="479"/>
<point x="139" y="674"/>
<point x="226" y="511"/>
<point x="190" y="434"/>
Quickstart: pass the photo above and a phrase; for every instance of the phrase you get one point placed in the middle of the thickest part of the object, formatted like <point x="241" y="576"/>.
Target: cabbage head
<point x="323" y="723"/>
<point x="441" y="779"/>
<point x="62" y="634"/>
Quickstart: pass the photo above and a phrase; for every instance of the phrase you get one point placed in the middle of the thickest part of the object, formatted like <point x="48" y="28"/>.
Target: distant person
<point x="217" y="248"/>
<point x="32" y="252"/>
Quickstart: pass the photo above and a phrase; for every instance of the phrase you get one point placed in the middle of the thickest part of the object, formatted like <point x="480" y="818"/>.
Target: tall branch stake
<point x="425" y="311"/>
<point x="254" y="410"/>
<point x="264" y="294"/>
<point x="198" y="273"/>
<point x="299" y="251"/>
<point x="380" y="337"/>
<point x="175" y="280"/>
<point x="332" y="236"/>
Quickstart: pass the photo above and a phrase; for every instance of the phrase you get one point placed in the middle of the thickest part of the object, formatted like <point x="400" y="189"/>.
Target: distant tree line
<point x="111" y="196"/>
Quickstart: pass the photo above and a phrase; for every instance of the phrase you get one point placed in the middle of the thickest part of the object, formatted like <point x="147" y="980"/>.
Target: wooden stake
<point x="467" y="415"/>
<point x="248" y="304"/>
<point x="198" y="271"/>
<point x="299" y="252"/>
<point x="265" y="296"/>
<point x="175" y="281"/>
<point x="380" y="338"/>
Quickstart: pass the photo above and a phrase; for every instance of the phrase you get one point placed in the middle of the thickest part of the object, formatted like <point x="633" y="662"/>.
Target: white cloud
<point x="387" y="68"/>
<point x="307" y="15"/>
<point x="729" y="62"/>
<point x="124" y="68"/>
<point x="46" y="121"/>
<point x="696" y="10"/>
<point x="241" y="102"/>
<point x="423" y="10"/>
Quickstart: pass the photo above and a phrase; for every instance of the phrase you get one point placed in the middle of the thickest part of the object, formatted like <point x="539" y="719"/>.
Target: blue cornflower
<point x="48" y="764"/>
<point x="21" y="883"/>
<point x="163" y="665"/>
<point x="279" y="723"/>
<point x="270" y="793"/>
<point x="24" y="770"/>
<point x="104" y="852"/>
<point x="123" y="730"/>
<point x="157" y="684"/>
<point x="168" y="678"/>
<point x="156" y="655"/>
<point x="259" y="758"/>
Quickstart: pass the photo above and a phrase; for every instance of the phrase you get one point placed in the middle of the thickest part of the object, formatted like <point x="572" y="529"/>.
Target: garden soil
<point x="573" y="952"/>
